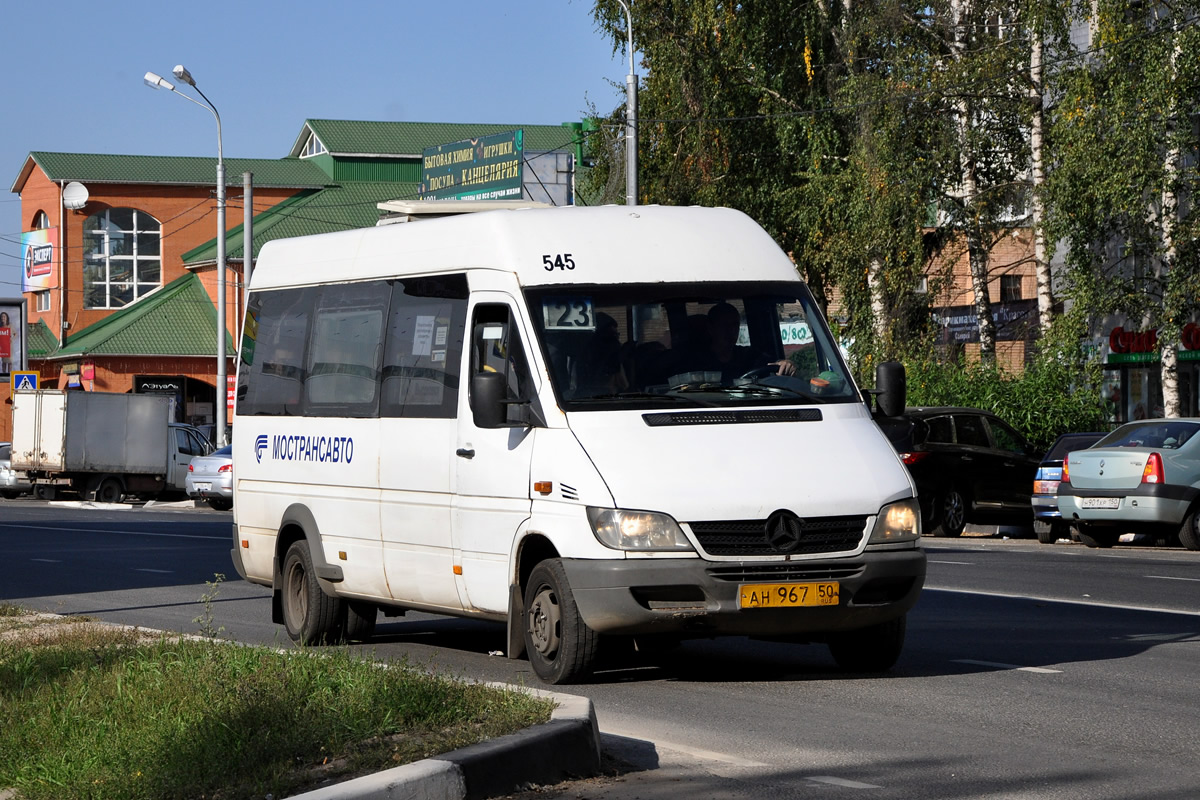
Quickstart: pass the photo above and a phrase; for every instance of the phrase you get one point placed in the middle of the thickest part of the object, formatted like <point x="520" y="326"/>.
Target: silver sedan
<point x="12" y="483"/>
<point x="210" y="478"/>
<point x="1144" y="477"/>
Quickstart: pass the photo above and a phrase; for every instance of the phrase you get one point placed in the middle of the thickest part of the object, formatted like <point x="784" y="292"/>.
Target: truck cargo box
<point x="56" y="431"/>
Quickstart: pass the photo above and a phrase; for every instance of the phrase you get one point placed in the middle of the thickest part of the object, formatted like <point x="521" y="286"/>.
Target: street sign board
<point x="24" y="381"/>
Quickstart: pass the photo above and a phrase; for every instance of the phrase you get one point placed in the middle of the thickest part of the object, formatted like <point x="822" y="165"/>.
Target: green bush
<point x="1049" y="398"/>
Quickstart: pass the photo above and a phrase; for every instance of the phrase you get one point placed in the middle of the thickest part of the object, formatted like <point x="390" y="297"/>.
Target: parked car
<point x="968" y="464"/>
<point x="211" y="477"/>
<point x="12" y="483"/>
<point x="1048" y="523"/>
<point x="1144" y="477"/>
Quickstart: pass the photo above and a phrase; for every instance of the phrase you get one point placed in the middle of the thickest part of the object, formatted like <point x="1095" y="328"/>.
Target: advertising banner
<point x="39" y="260"/>
<point x="487" y="168"/>
<point x="12" y="337"/>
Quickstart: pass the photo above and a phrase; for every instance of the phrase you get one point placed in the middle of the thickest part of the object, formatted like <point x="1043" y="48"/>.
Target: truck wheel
<point x="873" y="649"/>
<point x="561" y="647"/>
<point x="1189" y="532"/>
<point x="109" y="491"/>
<point x="360" y="620"/>
<point x="310" y="615"/>
<point x="952" y="514"/>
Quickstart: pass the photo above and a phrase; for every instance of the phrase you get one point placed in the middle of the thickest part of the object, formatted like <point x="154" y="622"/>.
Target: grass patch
<point x="89" y="711"/>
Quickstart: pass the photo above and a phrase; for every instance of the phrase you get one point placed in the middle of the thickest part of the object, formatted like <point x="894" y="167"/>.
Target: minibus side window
<point x="272" y="374"/>
<point x="345" y="349"/>
<point x="496" y="347"/>
<point x="423" y="347"/>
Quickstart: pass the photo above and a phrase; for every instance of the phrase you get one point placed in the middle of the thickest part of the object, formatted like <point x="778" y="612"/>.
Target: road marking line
<point x="695" y="752"/>
<point x="156" y="571"/>
<point x="126" y="533"/>
<point x="964" y="563"/>
<point x="841" y="782"/>
<point x="1172" y="578"/>
<point x="1093" y="603"/>
<point x="998" y="665"/>
<point x="47" y="560"/>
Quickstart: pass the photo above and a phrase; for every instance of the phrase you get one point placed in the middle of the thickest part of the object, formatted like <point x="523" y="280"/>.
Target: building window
<point x="313" y="147"/>
<point x="922" y="286"/>
<point x="122" y="257"/>
<point x="43" y="300"/>
<point x="1010" y="288"/>
<point x="40" y="221"/>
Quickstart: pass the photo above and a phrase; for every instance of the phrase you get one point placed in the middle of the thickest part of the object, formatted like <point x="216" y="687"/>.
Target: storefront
<point x="1132" y="387"/>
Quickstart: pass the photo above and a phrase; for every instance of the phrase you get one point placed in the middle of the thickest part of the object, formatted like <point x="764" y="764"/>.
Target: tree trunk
<point x="879" y="319"/>
<point x="1169" y="327"/>
<point x="1045" y="288"/>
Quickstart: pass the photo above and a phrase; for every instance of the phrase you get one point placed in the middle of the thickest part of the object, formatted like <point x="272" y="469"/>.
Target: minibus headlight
<point x="898" y="522"/>
<point x="636" y="530"/>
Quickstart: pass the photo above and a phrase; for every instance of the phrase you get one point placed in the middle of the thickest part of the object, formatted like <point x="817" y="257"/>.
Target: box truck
<point x="101" y="445"/>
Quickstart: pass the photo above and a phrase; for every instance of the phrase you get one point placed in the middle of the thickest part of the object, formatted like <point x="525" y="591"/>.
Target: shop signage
<point x="158" y="384"/>
<point x="1135" y="347"/>
<point x="1015" y="321"/>
<point x="486" y="168"/>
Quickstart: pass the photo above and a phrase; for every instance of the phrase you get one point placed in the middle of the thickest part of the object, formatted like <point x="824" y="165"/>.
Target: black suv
<point x="968" y="464"/>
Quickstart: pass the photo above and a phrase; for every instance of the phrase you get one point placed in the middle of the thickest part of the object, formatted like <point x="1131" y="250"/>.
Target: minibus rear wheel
<point x="561" y="647"/>
<point x="310" y="615"/>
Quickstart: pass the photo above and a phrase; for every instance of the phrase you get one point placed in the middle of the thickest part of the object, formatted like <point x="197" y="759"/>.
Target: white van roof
<point x="607" y="244"/>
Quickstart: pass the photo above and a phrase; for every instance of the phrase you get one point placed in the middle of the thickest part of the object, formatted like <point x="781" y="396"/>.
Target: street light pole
<point x="156" y="82"/>
<point x="631" y="152"/>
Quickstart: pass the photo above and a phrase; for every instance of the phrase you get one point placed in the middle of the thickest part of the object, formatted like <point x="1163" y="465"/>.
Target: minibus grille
<point x="790" y="571"/>
<point x="762" y="537"/>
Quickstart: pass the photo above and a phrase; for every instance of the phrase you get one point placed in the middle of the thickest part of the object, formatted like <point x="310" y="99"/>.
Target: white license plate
<point x="1100" y="502"/>
<point x="203" y="487"/>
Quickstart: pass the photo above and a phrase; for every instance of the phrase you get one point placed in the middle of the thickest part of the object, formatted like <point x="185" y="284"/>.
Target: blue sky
<point x="71" y="75"/>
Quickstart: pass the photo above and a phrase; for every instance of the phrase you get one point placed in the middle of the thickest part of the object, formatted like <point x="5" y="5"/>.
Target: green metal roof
<point x="177" y="320"/>
<point x="174" y="170"/>
<point x="337" y="208"/>
<point x="355" y="137"/>
<point x="40" y="341"/>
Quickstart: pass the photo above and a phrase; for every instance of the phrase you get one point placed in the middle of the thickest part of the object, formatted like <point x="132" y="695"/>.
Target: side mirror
<point x="488" y="408"/>
<point x="891" y="385"/>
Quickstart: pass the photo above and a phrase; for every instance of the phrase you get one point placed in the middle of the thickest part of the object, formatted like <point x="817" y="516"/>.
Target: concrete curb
<point x="568" y="746"/>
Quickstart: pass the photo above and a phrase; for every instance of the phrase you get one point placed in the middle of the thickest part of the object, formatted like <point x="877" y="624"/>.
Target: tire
<point x="108" y="491"/>
<point x="1189" y="532"/>
<point x="1098" y="538"/>
<point x="360" y="620"/>
<point x="220" y="503"/>
<point x="873" y="649"/>
<point x="10" y="495"/>
<point x="560" y="646"/>
<point x="309" y="615"/>
<point x="1051" y="532"/>
<point x="951" y="514"/>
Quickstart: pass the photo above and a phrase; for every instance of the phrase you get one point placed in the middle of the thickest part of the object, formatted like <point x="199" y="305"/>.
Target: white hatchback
<point x="210" y="478"/>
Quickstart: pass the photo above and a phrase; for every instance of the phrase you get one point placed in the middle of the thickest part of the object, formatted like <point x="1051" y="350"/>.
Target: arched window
<point x="122" y="259"/>
<point x="40" y="221"/>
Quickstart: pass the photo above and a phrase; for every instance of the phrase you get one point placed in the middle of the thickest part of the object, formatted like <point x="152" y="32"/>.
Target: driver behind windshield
<point x="726" y="355"/>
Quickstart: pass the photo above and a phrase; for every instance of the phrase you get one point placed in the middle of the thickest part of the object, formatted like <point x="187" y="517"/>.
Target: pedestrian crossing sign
<point x="24" y="381"/>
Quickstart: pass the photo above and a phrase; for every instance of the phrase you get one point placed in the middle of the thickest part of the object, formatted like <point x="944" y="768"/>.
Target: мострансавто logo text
<point x="323" y="449"/>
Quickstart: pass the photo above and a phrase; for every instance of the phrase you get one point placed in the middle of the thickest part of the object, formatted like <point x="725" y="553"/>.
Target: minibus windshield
<point x="706" y="344"/>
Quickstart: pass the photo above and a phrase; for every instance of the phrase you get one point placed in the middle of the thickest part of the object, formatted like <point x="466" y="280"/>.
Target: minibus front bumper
<point x="694" y="597"/>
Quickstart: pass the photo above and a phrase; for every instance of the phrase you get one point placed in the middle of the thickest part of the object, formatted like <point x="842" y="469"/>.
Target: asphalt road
<point x="1030" y="671"/>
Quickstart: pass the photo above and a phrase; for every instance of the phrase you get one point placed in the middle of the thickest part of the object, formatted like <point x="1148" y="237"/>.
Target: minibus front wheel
<point x="560" y="645"/>
<point x="310" y="615"/>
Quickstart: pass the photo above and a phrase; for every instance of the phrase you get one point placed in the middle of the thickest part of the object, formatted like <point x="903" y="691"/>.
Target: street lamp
<point x="631" y="187"/>
<point x="157" y="82"/>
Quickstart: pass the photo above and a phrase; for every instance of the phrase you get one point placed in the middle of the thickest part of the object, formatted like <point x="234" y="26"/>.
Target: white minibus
<point x="587" y="423"/>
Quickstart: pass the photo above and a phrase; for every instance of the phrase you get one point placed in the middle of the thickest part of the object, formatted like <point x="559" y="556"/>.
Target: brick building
<point x="127" y="299"/>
